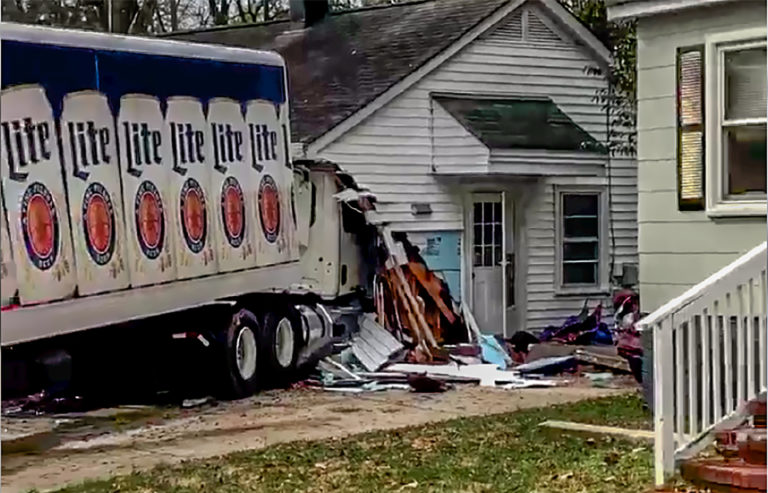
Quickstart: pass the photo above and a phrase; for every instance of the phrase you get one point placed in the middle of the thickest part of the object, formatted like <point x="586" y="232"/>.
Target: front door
<point x="487" y="255"/>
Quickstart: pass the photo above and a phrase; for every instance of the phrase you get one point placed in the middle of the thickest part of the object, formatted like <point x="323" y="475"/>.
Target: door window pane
<point x="478" y="213"/>
<point x="488" y="212"/>
<point x="488" y="256"/>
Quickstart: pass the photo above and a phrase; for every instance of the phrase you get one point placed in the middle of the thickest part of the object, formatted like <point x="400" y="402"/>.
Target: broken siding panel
<point x="703" y="243"/>
<point x="498" y="63"/>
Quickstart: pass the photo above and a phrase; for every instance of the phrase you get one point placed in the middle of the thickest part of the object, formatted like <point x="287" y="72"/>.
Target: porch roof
<point x="519" y="123"/>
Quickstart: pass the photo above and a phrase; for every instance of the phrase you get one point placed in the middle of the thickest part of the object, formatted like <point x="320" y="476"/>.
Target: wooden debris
<point x="599" y="430"/>
<point x="605" y="360"/>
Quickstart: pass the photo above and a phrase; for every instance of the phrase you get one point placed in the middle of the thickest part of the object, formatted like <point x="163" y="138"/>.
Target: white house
<point x="701" y="122"/>
<point x="474" y="123"/>
<point x="701" y="78"/>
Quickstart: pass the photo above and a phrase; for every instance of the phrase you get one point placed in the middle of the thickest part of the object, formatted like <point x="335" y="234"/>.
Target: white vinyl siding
<point x="391" y="152"/>
<point x="678" y="249"/>
<point x="545" y="305"/>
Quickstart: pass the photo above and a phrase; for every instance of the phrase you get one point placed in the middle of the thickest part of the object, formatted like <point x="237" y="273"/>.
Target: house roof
<point x="342" y="64"/>
<point x="627" y="9"/>
<point x="522" y="123"/>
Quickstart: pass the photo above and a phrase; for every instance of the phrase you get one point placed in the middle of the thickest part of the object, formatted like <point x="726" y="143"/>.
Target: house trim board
<point x="578" y="30"/>
<point x="646" y="8"/>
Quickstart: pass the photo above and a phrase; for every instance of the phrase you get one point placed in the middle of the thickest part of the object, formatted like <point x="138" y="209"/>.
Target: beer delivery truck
<point x="146" y="177"/>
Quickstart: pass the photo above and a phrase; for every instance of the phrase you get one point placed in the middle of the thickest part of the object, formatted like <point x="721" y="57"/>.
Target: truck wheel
<point x="280" y="343"/>
<point x="242" y="350"/>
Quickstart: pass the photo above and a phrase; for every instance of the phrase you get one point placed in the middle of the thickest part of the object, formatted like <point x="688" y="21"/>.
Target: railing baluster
<point x="750" y="321"/>
<point x="705" y="330"/>
<point x="740" y="348"/>
<point x="693" y="377"/>
<point x="728" y="353"/>
<point x="664" y="412"/>
<point x="717" y="367"/>
<point x="679" y="375"/>
<point x="762" y="330"/>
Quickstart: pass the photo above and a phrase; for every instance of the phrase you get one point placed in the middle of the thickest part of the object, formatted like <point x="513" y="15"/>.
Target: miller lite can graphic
<point x="34" y="196"/>
<point x="190" y="182"/>
<point x="233" y="182"/>
<point x="7" y="268"/>
<point x="273" y="194"/>
<point x="89" y="151"/>
<point x="145" y="159"/>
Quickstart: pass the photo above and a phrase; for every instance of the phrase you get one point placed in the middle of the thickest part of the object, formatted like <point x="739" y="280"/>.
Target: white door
<point x="487" y="251"/>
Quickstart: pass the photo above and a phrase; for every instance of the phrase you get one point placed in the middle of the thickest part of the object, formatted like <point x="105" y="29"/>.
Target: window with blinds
<point x="743" y="121"/>
<point x="690" y="128"/>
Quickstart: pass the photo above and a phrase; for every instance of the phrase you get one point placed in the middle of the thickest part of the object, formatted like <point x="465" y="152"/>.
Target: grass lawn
<point x="503" y="453"/>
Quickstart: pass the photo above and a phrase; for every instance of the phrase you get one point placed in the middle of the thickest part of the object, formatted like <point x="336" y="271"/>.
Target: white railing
<point x="709" y="356"/>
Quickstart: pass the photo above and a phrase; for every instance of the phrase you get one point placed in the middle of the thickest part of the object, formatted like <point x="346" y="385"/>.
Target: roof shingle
<point x="341" y="64"/>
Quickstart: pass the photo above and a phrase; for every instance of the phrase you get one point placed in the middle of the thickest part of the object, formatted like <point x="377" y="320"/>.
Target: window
<point x="487" y="234"/>
<point x="736" y="85"/>
<point x="581" y="235"/>
<point x="743" y="122"/>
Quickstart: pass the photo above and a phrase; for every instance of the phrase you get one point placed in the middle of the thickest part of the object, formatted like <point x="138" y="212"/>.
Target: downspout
<point x="610" y="180"/>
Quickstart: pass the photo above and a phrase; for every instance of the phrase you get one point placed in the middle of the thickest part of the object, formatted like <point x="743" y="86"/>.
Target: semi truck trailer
<point x="148" y="188"/>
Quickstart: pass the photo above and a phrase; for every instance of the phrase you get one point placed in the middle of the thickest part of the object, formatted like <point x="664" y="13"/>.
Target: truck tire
<point x="242" y="354"/>
<point x="280" y="343"/>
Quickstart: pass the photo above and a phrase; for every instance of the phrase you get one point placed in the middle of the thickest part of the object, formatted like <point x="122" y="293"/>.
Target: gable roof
<point x="341" y="65"/>
<point x="519" y="123"/>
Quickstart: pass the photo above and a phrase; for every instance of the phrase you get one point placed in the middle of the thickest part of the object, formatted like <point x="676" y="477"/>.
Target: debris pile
<point x="413" y="303"/>
<point x="418" y="338"/>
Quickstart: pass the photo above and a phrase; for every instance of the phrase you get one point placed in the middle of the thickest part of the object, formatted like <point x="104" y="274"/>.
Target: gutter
<point x="626" y="10"/>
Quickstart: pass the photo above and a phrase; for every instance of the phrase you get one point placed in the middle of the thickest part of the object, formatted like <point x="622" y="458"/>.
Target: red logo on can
<point x="40" y="226"/>
<point x="233" y="211"/>
<point x="98" y="223"/>
<point x="269" y="208"/>
<point x="193" y="215"/>
<point x="150" y="219"/>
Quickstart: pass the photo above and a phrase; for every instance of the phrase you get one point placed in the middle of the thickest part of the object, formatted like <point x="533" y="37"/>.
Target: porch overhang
<point x="518" y="136"/>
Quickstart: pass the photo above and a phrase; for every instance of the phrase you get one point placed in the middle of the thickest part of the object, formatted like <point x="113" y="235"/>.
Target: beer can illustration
<point x="145" y="175"/>
<point x="89" y="151"/>
<point x="236" y="222"/>
<point x="35" y="197"/>
<point x="190" y="183"/>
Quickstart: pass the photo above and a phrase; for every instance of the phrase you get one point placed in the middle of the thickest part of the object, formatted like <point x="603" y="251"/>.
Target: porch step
<point x="747" y="443"/>
<point x="724" y="475"/>
<point x="741" y="466"/>
<point x="756" y="409"/>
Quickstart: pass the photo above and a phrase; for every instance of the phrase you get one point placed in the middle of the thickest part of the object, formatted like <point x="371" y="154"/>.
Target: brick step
<point x="725" y="475"/>
<point x="756" y="409"/>
<point x="745" y="442"/>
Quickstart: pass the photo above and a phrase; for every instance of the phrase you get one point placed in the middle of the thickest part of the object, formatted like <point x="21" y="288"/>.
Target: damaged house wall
<point x="391" y="152"/>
